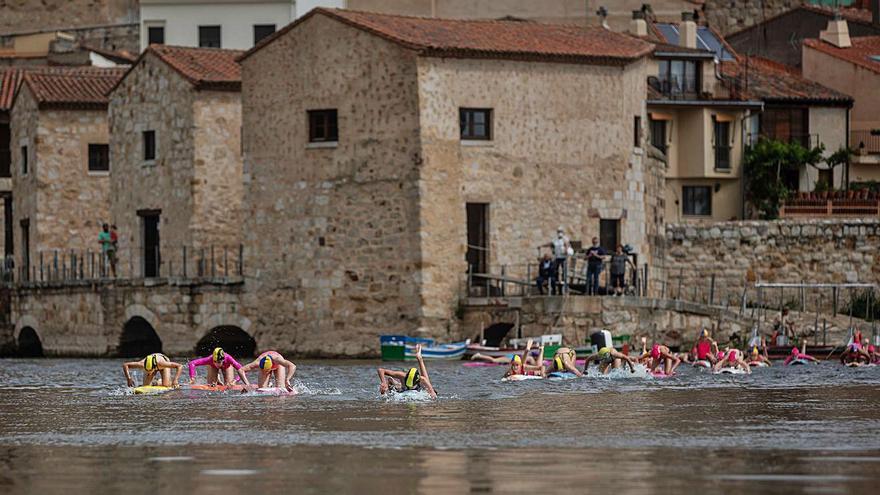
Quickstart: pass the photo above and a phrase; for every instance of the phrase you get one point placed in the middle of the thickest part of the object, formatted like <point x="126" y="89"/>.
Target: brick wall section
<point x="331" y="234"/>
<point x="562" y="157"/>
<point x="63" y="201"/>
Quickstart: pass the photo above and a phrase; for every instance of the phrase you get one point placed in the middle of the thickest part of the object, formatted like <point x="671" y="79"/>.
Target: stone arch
<point x="138" y="338"/>
<point x="225" y="320"/>
<point x="496" y="332"/>
<point x="28" y="343"/>
<point x="232" y="339"/>
<point x="143" y="312"/>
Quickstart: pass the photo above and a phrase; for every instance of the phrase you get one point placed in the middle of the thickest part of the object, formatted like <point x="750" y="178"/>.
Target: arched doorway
<point x="138" y="339"/>
<point x="29" y="344"/>
<point x="233" y="340"/>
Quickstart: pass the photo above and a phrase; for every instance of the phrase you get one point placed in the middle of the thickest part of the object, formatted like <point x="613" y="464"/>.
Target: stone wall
<point x="21" y="15"/>
<point x="152" y="97"/>
<point x="332" y="232"/>
<point x="64" y="202"/>
<point x="557" y="158"/>
<point x="738" y="254"/>
<point x="728" y="16"/>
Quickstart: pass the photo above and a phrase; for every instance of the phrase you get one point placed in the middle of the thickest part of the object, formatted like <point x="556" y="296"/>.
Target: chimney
<point x="602" y="13"/>
<point x="687" y="31"/>
<point x="638" y="26"/>
<point x="837" y="32"/>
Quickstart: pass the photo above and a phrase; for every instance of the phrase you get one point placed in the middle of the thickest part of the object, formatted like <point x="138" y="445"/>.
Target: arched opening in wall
<point x="138" y="339"/>
<point x="233" y="340"/>
<point x="495" y="333"/>
<point x="29" y="344"/>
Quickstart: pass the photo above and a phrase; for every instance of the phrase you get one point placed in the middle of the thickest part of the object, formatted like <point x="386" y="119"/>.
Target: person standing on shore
<point x="595" y="258"/>
<point x="561" y="247"/>
<point x="619" y="260"/>
<point x="108" y="247"/>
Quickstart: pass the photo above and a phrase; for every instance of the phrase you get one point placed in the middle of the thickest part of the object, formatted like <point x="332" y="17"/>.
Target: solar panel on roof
<point x="669" y="32"/>
<point x="710" y="42"/>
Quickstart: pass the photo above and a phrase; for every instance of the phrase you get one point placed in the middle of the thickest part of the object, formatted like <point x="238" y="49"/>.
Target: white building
<point x="234" y="24"/>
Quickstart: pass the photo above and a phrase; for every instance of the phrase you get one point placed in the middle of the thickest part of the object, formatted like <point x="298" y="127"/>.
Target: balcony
<point x="865" y="142"/>
<point x="832" y="204"/>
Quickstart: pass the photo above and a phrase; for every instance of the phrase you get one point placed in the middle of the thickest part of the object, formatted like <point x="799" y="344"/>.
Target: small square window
<point x="637" y="131"/>
<point x="209" y="36"/>
<point x="99" y="158"/>
<point x="697" y="200"/>
<point x="323" y="126"/>
<point x="262" y="30"/>
<point x="24" y="160"/>
<point x="476" y="123"/>
<point x="156" y="35"/>
<point x="149" y="146"/>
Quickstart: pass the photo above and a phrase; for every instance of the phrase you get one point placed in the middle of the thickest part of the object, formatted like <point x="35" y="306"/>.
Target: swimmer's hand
<point x="383" y="388"/>
<point x="130" y="382"/>
<point x="175" y="384"/>
<point x="289" y="388"/>
<point x="192" y="381"/>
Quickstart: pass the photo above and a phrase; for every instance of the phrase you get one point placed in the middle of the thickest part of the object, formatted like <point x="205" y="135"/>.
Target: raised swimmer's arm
<point x="134" y="364"/>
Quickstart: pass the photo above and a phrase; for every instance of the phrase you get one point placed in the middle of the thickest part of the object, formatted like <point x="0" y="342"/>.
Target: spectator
<point x="619" y="261"/>
<point x="108" y="247"/>
<point x="546" y="274"/>
<point x="595" y="255"/>
<point x="561" y="251"/>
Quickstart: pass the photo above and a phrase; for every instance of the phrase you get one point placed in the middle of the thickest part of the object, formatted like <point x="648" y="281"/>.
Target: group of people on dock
<point x="554" y="266"/>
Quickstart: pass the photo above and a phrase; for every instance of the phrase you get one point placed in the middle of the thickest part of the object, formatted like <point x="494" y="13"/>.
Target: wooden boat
<point x="403" y="348"/>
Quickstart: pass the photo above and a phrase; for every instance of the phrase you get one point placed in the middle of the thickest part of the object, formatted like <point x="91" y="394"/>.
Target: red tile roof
<point x="497" y="39"/>
<point x="760" y="78"/>
<point x="860" y="53"/>
<point x="9" y="81"/>
<point x="212" y="68"/>
<point x="74" y="88"/>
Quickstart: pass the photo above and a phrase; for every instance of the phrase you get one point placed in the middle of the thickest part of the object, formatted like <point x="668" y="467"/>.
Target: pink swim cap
<point x="795" y="351"/>
<point x="731" y="356"/>
<point x="655" y="351"/>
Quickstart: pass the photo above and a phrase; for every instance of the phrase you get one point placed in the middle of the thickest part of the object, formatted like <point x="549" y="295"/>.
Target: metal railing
<point x="181" y="262"/>
<point x="832" y="204"/>
<point x="865" y="142"/>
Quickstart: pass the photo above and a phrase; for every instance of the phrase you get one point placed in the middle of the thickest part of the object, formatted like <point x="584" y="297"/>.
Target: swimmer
<point x="705" y="348"/>
<point x="519" y="365"/>
<point x="564" y="361"/>
<point x="645" y="356"/>
<point x="660" y="354"/>
<point x="855" y="354"/>
<point x="154" y="364"/>
<point x="217" y="361"/>
<point x="872" y="351"/>
<point x="501" y="359"/>
<point x="733" y="359"/>
<point x="608" y="358"/>
<point x="758" y="359"/>
<point x="412" y="379"/>
<point x="799" y="355"/>
<point x="272" y="363"/>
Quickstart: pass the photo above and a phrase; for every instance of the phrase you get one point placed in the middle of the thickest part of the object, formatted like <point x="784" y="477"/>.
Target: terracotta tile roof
<point x="497" y="39"/>
<point x="771" y="81"/>
<point x="74" y="88"/>
<point x="860" y="53"/>
<point x="9" y="82"/>
<point x="120" y="57"/>
<point x="212" y="68"/>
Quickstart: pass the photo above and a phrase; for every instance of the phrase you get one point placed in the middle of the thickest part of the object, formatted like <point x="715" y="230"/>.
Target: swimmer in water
<point x="855" y="354"/>
<point x="272" y="363"/>
<point x="799" y="355"/>
<point x="564" y="362"/>
<point x="733" y="359"/>
<point x="505" y="359"/>
<point x="412" y="379"/>
<point x="519" y="365"/>
<point x="153" y="365"/>
<point x="608" y="358"/>
<point x="660" y="354"/>
<point x="758" y="359"/>
<point x="705" y="348"/>
<point x="872" y="351"/>
<point x="218" y="361"/>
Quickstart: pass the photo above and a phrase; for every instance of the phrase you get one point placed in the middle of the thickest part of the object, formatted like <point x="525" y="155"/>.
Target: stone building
<point x="10" y="79"/>
<point x="60" y="162"/>
<point x="175" y="120"/>
<point x="852" y="66"/>
<point x="384" y="153"/>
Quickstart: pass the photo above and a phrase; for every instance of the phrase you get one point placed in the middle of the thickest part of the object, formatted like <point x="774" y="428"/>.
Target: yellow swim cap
<point x="266" y="363"/>
<point x="558" y="362"/>
<point x="516" y="359"/>
<point x="704" y="333"/>
<point x="218" y="355"/>
<point x="413" y="378"/>
<point x="151" y="362"/>
<point x="604" y="351"/>
<point x="754" y="349"/>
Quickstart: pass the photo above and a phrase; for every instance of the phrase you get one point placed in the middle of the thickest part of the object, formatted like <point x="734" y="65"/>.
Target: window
<point x="609" y="234"/>
<point x="149" y="146"/>
<point x="637" y="131"/>
<point x="697" y="200"/>
<point x="262" y="30"/>
<point x="722" y="145"/>
<point x="209" y="36"/>
<point x="99" y="158"/>
<point x="786" y="124"/>
<point x="477" y="237"/>
<point x="476" y="123"/>
<point x="156" y="35"/>
<point x="826" y="176"/>
<point x="679" y="77"/>
<point x="658" y="134"/>
<point x="323" y="126"/>
<point x="5" y="151"/>
<point x="24" y="160"/>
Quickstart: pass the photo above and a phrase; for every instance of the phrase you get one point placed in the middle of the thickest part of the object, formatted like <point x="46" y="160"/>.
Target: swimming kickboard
<point x="562" y="375"/>
<point x="519" y="378"/>
<point x="151" y="389"/>
<point x="273" y="391"/>
<point x="731" y="371"/>
<point x="214" y="388"/>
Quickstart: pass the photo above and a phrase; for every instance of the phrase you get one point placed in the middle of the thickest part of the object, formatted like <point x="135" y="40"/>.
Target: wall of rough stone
<point x="728" y="16"/>
<point x="331" y="233"/>
<point x="20" y="15"/>
<point x="579" y="167"/>
<point x="64" y="202"/>
<point x="152" y="97"/>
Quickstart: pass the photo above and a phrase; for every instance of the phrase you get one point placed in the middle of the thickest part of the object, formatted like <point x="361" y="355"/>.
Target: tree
<point x="765" y="163"/>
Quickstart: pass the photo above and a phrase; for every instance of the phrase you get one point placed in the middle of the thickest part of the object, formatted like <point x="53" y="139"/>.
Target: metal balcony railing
<point x="865" y="142"/>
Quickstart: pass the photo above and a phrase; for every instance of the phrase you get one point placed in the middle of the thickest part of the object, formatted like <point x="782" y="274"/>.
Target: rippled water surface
<point x="71" y="424"/>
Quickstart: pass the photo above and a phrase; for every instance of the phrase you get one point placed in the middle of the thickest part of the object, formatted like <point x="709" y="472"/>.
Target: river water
<point x="70" y="424"/>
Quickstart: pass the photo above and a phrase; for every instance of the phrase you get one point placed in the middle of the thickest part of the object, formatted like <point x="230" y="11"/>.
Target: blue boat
<point x="401" y="347"/>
